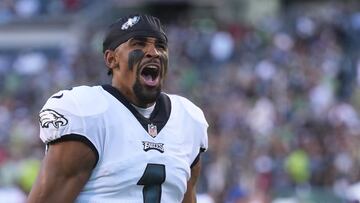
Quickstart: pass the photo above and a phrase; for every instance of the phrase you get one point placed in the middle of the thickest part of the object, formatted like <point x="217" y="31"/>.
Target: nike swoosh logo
<point x="58" y="96"/>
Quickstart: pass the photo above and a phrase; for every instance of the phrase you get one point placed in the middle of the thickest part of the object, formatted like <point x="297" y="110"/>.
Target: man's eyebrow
<point x="142" y="39"/>
<point x="160" y="41"/>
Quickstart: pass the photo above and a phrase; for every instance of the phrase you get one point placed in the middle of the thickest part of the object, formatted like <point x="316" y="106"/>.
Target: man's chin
<point x="146" y="94"/>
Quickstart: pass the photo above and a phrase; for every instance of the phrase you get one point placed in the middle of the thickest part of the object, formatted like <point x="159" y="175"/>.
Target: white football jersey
<point x="139" y="159"/>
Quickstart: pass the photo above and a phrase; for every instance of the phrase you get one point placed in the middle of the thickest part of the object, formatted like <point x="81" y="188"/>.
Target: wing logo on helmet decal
<point x="49" y="116"/>
<point x="130" y="22"/>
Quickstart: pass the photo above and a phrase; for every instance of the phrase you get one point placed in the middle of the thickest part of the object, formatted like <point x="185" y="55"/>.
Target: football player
<point x="128" y="141"/>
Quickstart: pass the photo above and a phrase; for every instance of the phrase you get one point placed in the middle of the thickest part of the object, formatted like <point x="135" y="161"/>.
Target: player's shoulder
<point x="78" y="100"/>
<point x="82" y="91"/>
<point x="188" y="106"/>
<point x="77" y="94"/>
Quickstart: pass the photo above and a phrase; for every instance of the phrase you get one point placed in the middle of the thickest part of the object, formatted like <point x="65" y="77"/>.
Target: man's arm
<point x="190" y="194"/>
<point x="64" y="171"/>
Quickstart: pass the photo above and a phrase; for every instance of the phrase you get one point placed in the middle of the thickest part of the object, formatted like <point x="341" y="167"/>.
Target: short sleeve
<point x="196" y="121"/>
<point x="67" y="116"/>
<point x="199" y="119"/>
<point x="60" y="117"/>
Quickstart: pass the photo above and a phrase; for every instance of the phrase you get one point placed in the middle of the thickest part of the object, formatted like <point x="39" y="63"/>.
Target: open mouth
<point x="150" y="75"/>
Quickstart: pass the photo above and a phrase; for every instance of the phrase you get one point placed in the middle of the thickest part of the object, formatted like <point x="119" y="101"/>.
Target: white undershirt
<point x="146" y="112"/>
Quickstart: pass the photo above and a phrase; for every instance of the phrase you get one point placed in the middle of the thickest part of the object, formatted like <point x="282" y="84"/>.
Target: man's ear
<point x="110" y="60"/>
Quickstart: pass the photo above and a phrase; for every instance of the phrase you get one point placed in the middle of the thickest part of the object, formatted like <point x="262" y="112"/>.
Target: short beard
<point x="144" y="95"/>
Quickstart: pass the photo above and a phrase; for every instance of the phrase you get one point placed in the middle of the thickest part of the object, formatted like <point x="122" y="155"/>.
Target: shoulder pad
<point x="194" y="111"/>
<point x="81" y="101"/>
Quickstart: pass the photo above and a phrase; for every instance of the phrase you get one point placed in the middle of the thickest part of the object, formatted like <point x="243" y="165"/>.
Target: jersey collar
<point x="158" y="117"/>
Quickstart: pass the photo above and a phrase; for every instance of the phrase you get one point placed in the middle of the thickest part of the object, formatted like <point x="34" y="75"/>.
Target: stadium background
<point x="278" y="81"/>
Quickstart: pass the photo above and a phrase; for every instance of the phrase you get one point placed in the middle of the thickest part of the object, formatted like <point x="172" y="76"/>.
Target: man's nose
<point x="152" y="51"/>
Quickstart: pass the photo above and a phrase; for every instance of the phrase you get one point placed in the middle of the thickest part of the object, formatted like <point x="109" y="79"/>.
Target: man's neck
<point x="146" y="112"/>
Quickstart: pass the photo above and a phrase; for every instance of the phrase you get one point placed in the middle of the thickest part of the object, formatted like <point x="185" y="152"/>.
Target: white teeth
<point x="152" y="66"/>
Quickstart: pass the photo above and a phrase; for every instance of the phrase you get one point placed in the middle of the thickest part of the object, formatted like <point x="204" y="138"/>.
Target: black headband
<point x="133" y="26"/>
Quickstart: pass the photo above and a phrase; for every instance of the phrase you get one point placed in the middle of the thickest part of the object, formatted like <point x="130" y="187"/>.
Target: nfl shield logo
<point x="152" y="130"/>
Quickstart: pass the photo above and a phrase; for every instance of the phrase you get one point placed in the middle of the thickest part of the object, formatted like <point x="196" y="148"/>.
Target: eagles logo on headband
<point x="133" y="26"/>
<point x="130" y="22"/>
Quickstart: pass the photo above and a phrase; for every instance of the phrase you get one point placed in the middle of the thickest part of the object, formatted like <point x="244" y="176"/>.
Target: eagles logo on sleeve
<point x="49" y="116"/>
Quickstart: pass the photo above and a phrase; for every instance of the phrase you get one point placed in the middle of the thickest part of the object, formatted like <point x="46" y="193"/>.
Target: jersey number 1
<point x="152" y="178"/>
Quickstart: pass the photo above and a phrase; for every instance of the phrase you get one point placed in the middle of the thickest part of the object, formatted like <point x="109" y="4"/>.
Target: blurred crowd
<point x="281" y="96"/>
<point x="27" y="9"/>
